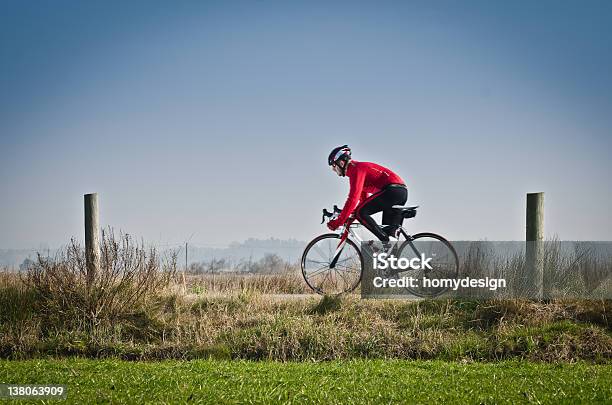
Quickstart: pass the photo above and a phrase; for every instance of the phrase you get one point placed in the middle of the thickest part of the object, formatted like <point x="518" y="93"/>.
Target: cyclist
<point x="373" y="188"/>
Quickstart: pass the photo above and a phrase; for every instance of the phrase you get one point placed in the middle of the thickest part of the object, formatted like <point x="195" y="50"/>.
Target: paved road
<point x="279" y="297"/>
<point x="288" y="297"/>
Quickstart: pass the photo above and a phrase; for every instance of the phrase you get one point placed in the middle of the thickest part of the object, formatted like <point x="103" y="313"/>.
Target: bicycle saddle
<point x="407" y="211"/>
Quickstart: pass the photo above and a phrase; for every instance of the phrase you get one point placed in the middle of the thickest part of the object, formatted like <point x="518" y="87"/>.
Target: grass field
<point x="252" y="326"/>
<point x="196" y="341"/>
<point x="358" y="381"/>
<point x="138" y="308"/>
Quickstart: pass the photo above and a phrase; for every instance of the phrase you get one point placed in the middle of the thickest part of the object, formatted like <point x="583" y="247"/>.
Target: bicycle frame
<point x="346" y="231"/>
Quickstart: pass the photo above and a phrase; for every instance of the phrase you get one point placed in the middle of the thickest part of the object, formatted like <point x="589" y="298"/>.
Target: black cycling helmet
<point x="340" y="153"/>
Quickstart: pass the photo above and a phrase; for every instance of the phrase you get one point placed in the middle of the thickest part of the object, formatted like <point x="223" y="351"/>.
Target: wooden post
<point x="92" y="237"/>
<point x="534" y="252"/>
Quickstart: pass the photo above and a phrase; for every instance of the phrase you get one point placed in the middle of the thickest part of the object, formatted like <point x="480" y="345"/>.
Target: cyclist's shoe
<point x="390" y="230"/>
<point x="391" y="246"/>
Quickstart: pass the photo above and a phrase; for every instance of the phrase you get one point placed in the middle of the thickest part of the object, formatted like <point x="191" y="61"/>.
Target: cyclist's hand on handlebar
<point x="333" y="224"/>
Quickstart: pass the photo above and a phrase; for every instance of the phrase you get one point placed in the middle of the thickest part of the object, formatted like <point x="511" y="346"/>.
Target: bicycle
<point x="339" y="263"/>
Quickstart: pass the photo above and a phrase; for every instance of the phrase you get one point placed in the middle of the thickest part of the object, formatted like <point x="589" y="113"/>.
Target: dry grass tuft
<point x="129" y="277"/>
<point x="286" y="283"/>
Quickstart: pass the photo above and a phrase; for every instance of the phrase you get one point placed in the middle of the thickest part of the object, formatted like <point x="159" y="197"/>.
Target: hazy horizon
<point x="212" y="121"/>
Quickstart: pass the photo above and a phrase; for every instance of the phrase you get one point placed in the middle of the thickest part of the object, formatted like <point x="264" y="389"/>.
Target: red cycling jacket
<point x="365" y="179"/>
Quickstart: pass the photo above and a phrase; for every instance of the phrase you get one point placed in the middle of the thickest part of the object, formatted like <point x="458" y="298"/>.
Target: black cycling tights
<point x="389" y="196"/>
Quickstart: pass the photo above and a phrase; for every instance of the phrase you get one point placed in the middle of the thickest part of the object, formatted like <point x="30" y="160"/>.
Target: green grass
<point x="357" y="381"/>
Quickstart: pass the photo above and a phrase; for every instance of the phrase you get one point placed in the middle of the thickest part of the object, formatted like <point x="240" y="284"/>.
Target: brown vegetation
<point x="136" y="311"/>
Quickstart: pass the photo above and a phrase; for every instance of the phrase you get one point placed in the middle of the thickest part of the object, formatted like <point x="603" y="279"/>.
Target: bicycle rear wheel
<point x="317" y="257"/>
<point x="444" y="263"/>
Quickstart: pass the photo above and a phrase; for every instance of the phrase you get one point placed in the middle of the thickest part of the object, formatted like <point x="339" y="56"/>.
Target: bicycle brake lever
<point x="326" y="214"/>
<point x="336" y="209"/>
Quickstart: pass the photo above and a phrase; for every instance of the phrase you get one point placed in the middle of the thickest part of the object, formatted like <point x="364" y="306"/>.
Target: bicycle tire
<point x="311" y="244"/>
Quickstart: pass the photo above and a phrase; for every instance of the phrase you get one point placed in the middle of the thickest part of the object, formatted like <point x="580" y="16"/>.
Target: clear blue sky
<point x="216" y="118"/>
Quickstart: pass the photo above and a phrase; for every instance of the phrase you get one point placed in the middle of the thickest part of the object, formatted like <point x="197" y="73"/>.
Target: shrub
<point x="128" y="277"/>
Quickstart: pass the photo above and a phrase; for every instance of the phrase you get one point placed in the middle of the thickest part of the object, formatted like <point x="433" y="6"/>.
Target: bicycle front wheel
<point x="317" y="259"/>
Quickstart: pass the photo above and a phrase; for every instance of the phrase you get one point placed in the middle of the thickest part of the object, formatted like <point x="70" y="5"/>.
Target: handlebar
<point x="331" y="215"/>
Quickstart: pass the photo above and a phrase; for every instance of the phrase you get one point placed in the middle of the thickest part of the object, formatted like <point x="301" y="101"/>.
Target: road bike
<point x="333" y="263"/>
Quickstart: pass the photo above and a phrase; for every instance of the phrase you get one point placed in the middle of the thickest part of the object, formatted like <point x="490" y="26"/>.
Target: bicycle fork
<point x="339" y="249"/>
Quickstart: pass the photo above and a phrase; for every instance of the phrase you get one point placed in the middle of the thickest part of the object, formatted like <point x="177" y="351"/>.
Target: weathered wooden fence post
<point x="92" y="237"/>
<point x="534" y="252"/>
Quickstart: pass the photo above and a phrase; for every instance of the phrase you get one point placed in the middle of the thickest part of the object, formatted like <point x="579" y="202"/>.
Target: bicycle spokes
<point x="331" y="268"/>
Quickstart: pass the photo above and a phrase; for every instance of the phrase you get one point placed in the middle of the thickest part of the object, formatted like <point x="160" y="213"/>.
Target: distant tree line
<point x="269" y="264"/>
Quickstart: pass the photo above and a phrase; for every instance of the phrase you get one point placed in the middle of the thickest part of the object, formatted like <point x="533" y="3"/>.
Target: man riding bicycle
<point x="373" y="188"/>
